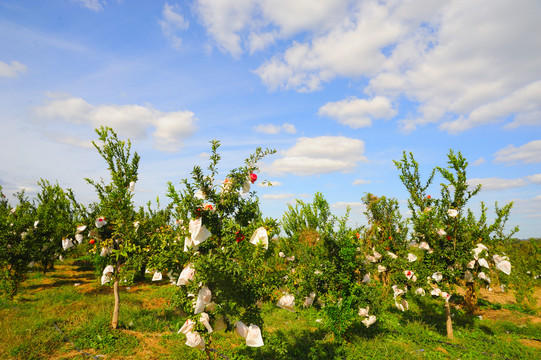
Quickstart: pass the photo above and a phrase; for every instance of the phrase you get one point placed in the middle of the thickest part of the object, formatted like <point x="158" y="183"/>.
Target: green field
<point x="66" y="315"/>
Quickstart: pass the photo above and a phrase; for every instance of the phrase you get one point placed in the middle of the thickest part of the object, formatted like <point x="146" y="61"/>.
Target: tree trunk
<point x="207" y="350"/>
<point x="449" y="321"/>
<point x="471" y="298"/>
<point x="116" y="309"/>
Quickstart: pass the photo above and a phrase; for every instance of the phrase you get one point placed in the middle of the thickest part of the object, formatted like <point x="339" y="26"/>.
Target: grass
<point x="149" y="324"/>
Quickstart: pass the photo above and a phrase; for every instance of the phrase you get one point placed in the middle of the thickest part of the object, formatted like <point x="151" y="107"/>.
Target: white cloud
<point x="279" y="196"/>
<point x="464" y="65"/>
<point x="536" y="179"/>
<point x="527" y="153"/>
<point x="357" y="210"/>
<point x="358" y="113"/>
<point x="530" y="208"/>
<point x="12" y="69"/>
<point x="494" y="183"/>
<point x="171" y="128"/>
<point x="275" y="129"/>
<point x="360" y="182"/>
<point x="351" y="205"/>
<point x="319" y="155"/>
<point x="70" y="140"/>
<point x="532" y="118"/>
<point x="255" y="24"/>
<point x="289" y="128"/>
<point x="301" y="15"/>
<point x="133" y="121"/>
<point x="353" y="46"/>
<point x="94" y="5"/>
<point x="261" y="41"/>
<point x="524" y="101"/>
<point x="224" y="19"/>
<point x="269" y="184"/>
<point x="476" y="66"/>
<point x="171" y="22"/>
<point x="479" y="161"/>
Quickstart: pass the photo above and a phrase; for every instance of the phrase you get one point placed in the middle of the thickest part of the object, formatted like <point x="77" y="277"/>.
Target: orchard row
<point x="214" y="243"/>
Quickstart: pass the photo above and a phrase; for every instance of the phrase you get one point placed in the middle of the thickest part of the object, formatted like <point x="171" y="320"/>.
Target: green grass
<point x="148" y="328"/>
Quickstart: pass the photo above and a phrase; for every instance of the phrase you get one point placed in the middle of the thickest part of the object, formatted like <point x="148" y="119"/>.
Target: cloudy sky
<point x="340" y="88"/>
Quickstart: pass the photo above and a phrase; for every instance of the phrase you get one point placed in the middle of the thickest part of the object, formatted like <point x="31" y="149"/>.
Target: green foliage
<point x="233" y="269"/>
<point x="150" y="328"/>
<point x="119" y="234"/>
<point x="16" y="241"/>
<point x="323" y="263"/>
<point x="385" y="240"/>
<point x="116" y="228"/>
<point x="161" y="250"/>
<point x="57" y="216"/>
<point x="308" y="217"/>
<point x="321" y="260"/>
<point x="527" y="271"/>
<point x="450" y="229"/>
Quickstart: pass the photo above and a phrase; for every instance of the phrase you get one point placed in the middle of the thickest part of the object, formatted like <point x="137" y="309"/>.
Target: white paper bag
<point x="67" y="243"/>
<point x="193" y="339"/>
<point x="100" y="222"/>
<point x="369" y="320"/>
<point x="241" y="329"/>
<point x="260" y="236"/>
<point x="504" y="266"/>
<point x="364" y="311"/>
<point x="205" y="320"/>
<point x="437" y="276"/>
<point x="412" y="257"/>
<point x="157" y="276"/>
<point x="186" y="275"/>
<point x="483" y="263"/>
<point x="253" y="336"/>
<point x="79" y="238"/>
<point x="287" y="302"/>
<point x="309" y="300"/>
<point x="187" y="327"/>
<point x="203" y="299"/>
<point x="199" y="233"/>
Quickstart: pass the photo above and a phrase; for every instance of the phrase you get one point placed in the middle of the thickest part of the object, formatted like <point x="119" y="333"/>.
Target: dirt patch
<point x="511" y="316"/>
<point x="498" y="297"/>
<point x="61" y="275"/>
<point x="149" y="345"/>
<point x="531" y="343"/>
<point x="155" y="303"/>
<point x="442" y="350"/>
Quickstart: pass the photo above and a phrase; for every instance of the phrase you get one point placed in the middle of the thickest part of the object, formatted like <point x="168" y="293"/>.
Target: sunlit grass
<point x="149" y="324"/>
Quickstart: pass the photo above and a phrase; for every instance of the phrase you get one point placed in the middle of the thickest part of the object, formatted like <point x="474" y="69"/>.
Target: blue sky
<point x="340" y="88"/>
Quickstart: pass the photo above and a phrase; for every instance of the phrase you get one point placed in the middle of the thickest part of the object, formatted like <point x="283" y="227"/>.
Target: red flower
<point x="358" y="235"/>
<point x="239" y="236"/>
<point x="428" y="196"/>
<point x="448" y="237"/>
<point x="390" y="237"/>
<point x="208" y="207"/>
<point x="253" y="177"/>
<point x="92" y="241"/>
